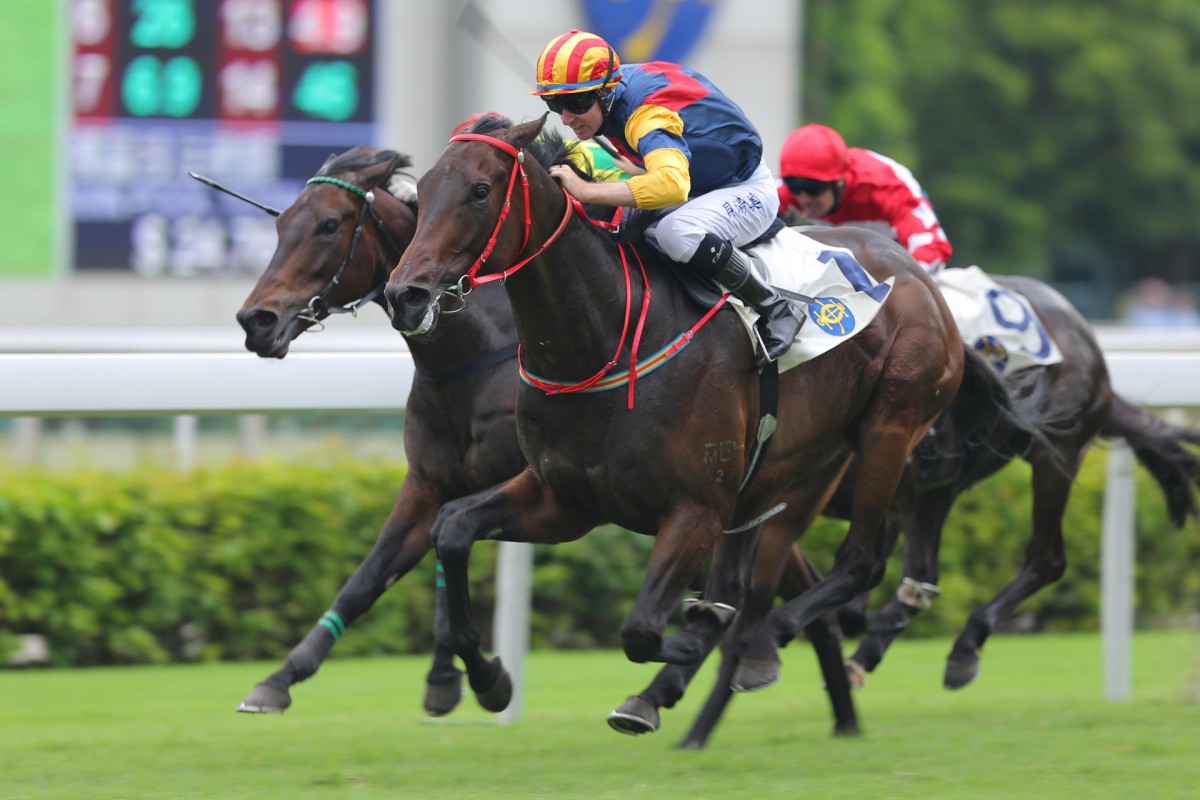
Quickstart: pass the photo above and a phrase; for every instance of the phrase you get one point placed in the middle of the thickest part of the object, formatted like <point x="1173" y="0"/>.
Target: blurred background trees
<point x="1059" y="138"/>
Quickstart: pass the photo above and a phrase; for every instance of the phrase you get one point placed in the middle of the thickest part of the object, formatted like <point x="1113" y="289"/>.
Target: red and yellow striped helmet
<point x="577" y="61"/>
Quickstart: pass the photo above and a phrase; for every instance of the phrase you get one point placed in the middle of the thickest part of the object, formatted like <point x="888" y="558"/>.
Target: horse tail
<point x="1156" y="443"/>
<point x="989" y="429"/>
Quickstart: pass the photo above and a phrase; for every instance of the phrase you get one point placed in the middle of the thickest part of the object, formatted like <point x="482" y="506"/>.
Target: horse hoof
<point x="691" y="744"/>
<point x="634" y="717"/>
<point x="265" y="699"/>
<point x="848" y="730"/>
<point x="754" y="674"/>
<point x="856" y="674"/>
<point x="497" y="697"/>
<point x="960" y="672"/>
<point x="442" y="698"/>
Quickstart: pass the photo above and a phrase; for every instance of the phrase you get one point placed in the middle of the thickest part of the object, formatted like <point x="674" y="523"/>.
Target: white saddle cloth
<point x="997" y="322"/>
<point x="845" y="297"/>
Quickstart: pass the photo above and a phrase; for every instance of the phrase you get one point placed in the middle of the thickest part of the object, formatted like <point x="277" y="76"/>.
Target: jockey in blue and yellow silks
<point x="691" y="153"/>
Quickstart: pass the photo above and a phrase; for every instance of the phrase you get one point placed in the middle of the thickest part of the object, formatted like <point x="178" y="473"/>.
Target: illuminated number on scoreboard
<point x="90" y="22"/>
<point x="252" y="24"/>
<point x="152" y="87"/>
<point x="91" y="75"/>
<point x="329" y="26"/>
<point x="168" y="24"/>
<point x="328" y="90"/>
<point x="249" y="88"/>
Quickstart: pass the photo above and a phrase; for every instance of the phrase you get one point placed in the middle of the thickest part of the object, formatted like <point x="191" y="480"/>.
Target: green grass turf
<point x="30" y="51"/>
<point x="1033" y="726"/>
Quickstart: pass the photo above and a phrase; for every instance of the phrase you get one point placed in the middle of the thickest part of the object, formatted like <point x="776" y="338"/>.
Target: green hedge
<point x="238" y="561"/>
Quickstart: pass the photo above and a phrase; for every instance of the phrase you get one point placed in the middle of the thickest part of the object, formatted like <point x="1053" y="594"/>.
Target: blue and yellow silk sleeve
<point x="657" y="134"/>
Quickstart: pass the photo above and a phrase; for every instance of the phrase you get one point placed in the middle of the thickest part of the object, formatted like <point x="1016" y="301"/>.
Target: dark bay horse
<point x="671" y="466"/>
<point x="1072" y="403"/>
<point x="460" y="430"/>
<point x="1075" y="402"/>
<point x="336" y="248"/>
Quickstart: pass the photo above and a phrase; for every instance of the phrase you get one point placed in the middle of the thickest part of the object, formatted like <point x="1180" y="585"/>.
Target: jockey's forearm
<point x="603" y="193"/>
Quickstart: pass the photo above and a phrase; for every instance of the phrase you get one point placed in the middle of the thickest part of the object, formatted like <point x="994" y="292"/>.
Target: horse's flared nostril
<point x="407" y="305"/>
<point x="257" y="321"/>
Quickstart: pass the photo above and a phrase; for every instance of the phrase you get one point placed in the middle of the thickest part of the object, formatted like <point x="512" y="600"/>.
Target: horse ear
<point x="328" y="161"/>
<point x="526" y="132"/>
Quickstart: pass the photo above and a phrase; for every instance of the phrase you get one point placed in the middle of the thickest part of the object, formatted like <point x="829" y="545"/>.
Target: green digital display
<point x="153" y="87"/>
<point x="328" y="90"/>
<point x="162" y="23"/>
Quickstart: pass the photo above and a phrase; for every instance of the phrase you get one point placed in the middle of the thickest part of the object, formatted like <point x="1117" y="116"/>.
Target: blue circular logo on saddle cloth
<point x="993" y="352"/>
<point x="831" y="315"/>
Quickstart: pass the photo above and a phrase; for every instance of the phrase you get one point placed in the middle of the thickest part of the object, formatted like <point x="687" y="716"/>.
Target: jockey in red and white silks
<point x="823" y="179"/>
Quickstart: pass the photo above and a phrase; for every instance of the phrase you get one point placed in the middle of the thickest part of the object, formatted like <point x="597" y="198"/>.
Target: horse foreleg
<point x="1045" y="562"/>
<point x="522" y="509"/>
<point x="683" y="543"/>
<point x="402" y="543"/>
<point x="706" y="622"/>
<point x="917" y="590"/>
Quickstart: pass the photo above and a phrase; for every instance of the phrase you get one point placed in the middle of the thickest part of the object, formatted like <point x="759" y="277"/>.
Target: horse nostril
<point x="257" y="320"/>
<point x="409" y="299"/>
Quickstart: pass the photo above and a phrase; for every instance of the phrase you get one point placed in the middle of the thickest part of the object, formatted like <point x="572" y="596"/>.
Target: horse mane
<point x="362" y="157"/>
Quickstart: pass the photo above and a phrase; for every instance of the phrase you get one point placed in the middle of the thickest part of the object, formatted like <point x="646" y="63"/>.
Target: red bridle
<point x="472" y="279"/>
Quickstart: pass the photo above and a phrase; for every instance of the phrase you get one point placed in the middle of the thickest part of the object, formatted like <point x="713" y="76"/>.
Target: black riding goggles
<point x="807" y="186"/>
<point x="576" y="102"/>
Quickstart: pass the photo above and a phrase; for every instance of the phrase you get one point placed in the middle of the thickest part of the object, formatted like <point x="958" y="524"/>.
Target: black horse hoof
<point x="848" y="729"/>
<point x="265" y="699"/>
<point x="497" y="697"/>
<point x="960" y="672"/>
<point x="442" y="698"/>
<point x="753" y="674"/>
<point x="634" y="717"/>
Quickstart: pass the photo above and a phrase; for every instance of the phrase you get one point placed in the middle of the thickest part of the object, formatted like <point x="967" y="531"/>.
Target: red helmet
<point x="813" y="151"/>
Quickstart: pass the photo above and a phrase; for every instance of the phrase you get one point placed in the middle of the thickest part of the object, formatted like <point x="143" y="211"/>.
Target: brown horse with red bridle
<point x="666" y="454"/>
<point x="337" y="244"/>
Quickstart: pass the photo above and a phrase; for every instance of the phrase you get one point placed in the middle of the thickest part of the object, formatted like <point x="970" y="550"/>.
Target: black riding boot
<point x="778" y="322"/>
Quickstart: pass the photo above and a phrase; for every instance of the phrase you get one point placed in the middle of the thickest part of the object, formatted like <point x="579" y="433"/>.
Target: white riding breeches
<point x="739" y="212"/>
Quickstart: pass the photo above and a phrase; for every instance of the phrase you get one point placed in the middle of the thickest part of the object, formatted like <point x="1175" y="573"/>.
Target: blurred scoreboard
<point x="255" y="94"/>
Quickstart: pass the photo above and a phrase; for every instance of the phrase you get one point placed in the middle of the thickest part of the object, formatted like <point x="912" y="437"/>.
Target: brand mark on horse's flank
<point x="721" y="454"/>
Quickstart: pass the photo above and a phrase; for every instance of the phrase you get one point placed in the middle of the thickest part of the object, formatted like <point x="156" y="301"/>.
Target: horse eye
<point x="480" y="191"/>
<point x="329" y="226"/>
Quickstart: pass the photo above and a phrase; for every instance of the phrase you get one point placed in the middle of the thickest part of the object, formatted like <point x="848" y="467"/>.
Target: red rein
<point x="572" y="206"/>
